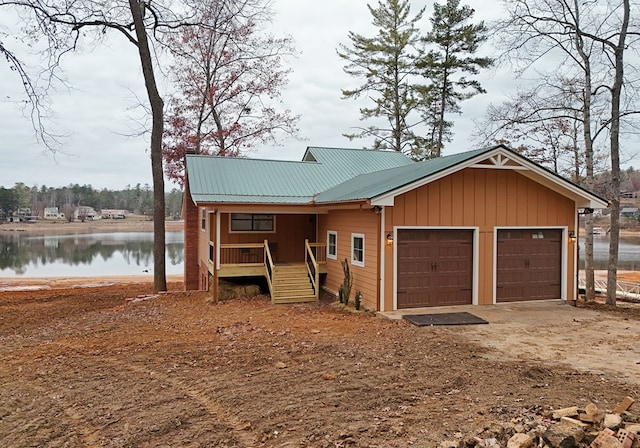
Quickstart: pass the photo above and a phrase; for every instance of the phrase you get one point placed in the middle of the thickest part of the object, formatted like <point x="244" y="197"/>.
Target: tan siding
<point x="470" y="186"/>
<point x="203" y="240"/>
<point x="422" y="213"/>
<point x="365" y="279"/>
<point x="410" y="208"/>
<point x="434" y="201"/>
<point x="479" y="193"/>
<point x="485" y="198"/>
<point x="388" y="259"/>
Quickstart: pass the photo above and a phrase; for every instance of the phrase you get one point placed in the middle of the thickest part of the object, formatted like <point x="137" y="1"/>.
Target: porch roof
<point x="255" y="181"/>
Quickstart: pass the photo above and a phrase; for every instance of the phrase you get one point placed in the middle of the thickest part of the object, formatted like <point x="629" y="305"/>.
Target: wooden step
<point x="296" y="299"/>
<point x="291" y="284"/>
<point x="291" y="280"/>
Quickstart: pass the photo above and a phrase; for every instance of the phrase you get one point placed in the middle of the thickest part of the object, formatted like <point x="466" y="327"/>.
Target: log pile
<point x="579" y="427"/>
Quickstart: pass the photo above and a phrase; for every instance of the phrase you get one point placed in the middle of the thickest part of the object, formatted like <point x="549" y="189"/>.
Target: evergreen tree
<point x="387" y="64"/>
<point x="456" y="42"/>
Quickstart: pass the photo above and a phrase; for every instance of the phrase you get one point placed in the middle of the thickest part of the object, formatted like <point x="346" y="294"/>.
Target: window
<point x="211" y="251"/>
<point x="203" y="220"/>
<point x="357" y="249"/>
<point x="250" y="222"/>
<point x="332" y="245"/>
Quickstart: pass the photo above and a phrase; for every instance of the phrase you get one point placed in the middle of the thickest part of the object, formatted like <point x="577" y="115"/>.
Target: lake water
<point x="628" y="253"/>
<point x="25" y="254"/>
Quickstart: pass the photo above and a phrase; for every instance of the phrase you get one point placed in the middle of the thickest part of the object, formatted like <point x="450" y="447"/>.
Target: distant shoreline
<point x="130" y="224"/>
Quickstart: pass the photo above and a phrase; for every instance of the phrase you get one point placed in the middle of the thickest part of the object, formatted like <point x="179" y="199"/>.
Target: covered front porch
<point x="282" y="248"/>
<point x="288" y="281"/>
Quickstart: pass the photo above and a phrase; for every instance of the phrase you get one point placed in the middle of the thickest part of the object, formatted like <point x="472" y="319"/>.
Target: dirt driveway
<point x="84" y="367"/>
<point x="602" y="343"/>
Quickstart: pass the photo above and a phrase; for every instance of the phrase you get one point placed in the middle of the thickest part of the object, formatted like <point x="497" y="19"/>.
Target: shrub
<point x="347" y="282"/>
<point x="358" y="299"/>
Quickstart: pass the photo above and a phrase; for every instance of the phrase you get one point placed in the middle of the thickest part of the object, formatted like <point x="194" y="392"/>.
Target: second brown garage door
<point x="435" y="267"/>
<point x="529" y="264"/>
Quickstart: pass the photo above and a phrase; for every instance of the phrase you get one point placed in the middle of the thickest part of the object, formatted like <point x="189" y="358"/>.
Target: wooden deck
<point x="256" y="269"/>
<point x="248" y="260"/>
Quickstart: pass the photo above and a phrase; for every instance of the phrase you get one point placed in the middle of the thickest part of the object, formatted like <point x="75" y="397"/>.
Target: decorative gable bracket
<point x="499" y="161"/>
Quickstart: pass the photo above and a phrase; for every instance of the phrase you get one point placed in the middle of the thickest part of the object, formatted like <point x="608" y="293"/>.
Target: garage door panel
<point x="529" y="265"/>
<point x="434" y="267"/>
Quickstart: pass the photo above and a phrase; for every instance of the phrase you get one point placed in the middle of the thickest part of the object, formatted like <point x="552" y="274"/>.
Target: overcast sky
<point x="99" y="114"/>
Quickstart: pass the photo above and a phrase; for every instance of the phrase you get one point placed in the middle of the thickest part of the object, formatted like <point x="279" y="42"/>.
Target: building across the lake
<point x="52" y="213"/>
<point x="107" y="213"/>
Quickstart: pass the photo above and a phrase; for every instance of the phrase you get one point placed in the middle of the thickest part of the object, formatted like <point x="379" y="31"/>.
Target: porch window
<point x="357" y="249"/>
<point x="203" y="219"/>
<point x="252" y="222"/>
<point x="332" y="244"/>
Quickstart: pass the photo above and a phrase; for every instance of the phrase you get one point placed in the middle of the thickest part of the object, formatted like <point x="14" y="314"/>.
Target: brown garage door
<point x="529" y="264"/>
<point x="435" y="267"/>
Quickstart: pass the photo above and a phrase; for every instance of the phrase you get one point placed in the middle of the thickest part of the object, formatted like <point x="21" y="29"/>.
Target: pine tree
<point x="387" y="64"/>
<point x="456" y="42"/>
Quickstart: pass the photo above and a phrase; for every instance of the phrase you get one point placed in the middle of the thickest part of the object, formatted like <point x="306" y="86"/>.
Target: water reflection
<point x="628" y="253"/>
<point x="93" y="254"/>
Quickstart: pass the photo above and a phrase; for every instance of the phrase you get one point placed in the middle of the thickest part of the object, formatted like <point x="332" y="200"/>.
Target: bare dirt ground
<point x="81" y="366"/>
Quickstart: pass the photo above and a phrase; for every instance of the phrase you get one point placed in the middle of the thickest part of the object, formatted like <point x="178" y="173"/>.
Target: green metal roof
<point x="240" y="180"/>
<point x="367" y="186"/>
<point x="328" y="175"/>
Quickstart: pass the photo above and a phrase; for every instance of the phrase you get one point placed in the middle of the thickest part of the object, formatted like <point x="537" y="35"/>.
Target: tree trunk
<point x="612" y="275"/>
<point x="590" y="293"/>
<point x="159" y="273"/>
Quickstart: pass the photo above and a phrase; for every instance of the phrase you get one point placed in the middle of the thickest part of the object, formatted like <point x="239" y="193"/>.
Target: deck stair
<point x="291" y="284"/>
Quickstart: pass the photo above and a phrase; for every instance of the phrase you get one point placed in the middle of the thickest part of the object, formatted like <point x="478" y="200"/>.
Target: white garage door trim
<point x="475" y="255"/>
<point x="563" y="249"/>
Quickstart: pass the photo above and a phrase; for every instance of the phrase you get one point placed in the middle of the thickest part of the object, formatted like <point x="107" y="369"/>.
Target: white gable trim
<point x="499" y="158"/>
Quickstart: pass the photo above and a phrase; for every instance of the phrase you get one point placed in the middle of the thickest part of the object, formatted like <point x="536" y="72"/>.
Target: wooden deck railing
<point x="319" y="251"/>
<point x="312" y="268"/>
<point x="268" y="264"/>
<point x="242" y="254"/>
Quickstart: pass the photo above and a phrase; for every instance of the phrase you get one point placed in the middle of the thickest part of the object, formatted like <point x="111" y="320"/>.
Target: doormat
<point x="425" y="320"/>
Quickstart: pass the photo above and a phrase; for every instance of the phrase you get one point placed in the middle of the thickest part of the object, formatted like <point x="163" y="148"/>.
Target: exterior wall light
<point x="389" y="238"/>
<point x="572" y="236"/>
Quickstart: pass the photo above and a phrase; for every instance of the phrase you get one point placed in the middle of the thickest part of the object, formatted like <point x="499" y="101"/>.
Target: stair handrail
<point x="268" y="265"/>
<point x="312" y="268"/>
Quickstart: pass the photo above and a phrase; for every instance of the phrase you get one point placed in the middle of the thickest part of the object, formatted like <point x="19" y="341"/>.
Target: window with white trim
<point x="357" y="249"/>
<point x="203" y="219"/>
<point x="332" y="244"/>
<point x="252" y="222"/>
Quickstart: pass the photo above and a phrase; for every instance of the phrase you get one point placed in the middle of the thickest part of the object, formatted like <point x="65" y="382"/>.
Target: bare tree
<point x="229" y="75"/>
<point x="62" y="24"/>
<point x="583" y="38"/>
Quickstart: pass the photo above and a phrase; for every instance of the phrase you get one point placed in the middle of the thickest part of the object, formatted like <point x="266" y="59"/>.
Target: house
<point x="630" y="212"/>
<point x="84" y="212"/>
<point x="52" y="213"/>
<point x="106" y="213"/>
<point x="479" y="227"/>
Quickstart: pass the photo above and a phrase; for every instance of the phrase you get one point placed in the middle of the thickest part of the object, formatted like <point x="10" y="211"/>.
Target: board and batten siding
<point x="365" y="279"/>
<point x="483" y="198"/>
